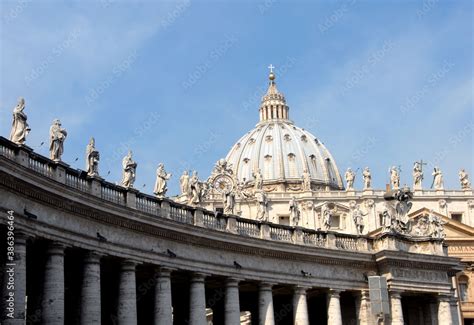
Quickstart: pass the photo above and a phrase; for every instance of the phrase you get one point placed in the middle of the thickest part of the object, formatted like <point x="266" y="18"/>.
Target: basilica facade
<point x="277" y="234"/>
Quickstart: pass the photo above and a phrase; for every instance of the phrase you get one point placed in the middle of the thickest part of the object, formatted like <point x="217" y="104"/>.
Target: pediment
<point x="340" y="207"/>
<point x="454" y="230"/>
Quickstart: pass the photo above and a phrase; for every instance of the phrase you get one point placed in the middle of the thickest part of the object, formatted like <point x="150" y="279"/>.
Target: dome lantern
<point x="273" y="105"/>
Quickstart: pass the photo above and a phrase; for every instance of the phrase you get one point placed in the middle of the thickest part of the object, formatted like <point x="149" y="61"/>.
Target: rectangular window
<point x="336" y="222"/>
<point x="456" y="217"/>
<point x="284" y="221"/>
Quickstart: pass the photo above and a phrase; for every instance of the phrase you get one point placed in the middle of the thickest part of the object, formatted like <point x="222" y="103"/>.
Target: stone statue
<point x="161" y="181"/>
<point x="417" y="175"/>
<point x="92" y="159"/>
<point x="327" y="214"/>
<point x="367" y="178"/>
<point x="464" y="179"/>
<point x="358" y="217"/>
<point x="229" y="202"/>
<point x="436" y="226"/>
<point x="242" y="191"/>
<point x="20" y="128"/>
<point x="438" y="182"/>
<point x="222" y="167"/>
<point x="258" y="185"/>
<point x="350" y="177"/>
<point x="262" y="203"/>
<point x="195" y="189"/>
<point x="398" y="211"/>
<point x="129" y="168"/>
<point x="306" y="180"/>
<point x="294" y="211"/>
<point x="184" y="183"/>
<point x="395" y="178"/>
<point x="57" y="136"/>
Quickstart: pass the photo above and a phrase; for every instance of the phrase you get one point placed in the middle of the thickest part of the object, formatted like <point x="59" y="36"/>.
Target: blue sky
<point x="179" y="82"/>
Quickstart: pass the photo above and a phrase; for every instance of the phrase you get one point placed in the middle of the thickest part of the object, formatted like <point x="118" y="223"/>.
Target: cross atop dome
<point x="271" y="67"/>
<point x="271" y="75"/>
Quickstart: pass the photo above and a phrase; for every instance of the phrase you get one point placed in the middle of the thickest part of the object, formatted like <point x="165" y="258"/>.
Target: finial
<point x="272" y="75"/>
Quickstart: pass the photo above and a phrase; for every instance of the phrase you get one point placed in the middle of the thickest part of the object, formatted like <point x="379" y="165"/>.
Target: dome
<point x="281" y="151"/>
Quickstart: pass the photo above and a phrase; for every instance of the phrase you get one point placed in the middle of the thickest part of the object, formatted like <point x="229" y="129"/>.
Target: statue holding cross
<point x="418" y="174"/>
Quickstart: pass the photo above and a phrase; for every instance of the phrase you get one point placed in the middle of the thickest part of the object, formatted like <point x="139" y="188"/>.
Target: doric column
<point x="334" y="307"/>
<point x="163" y="311"/>
<point x="232" y="305"/>
<point x="265" y="304"/>
<point x="300" y="307"/>
<point x="197" y="300"/>
<point x="364" y="316"/>
<point x="90" y="298"/>
<point x="53" y="294"/>
<point x="15" y="271"/>
<point x="444" y="310"/>
<point x="396" y="308"/>
<point x="127" y="301"/>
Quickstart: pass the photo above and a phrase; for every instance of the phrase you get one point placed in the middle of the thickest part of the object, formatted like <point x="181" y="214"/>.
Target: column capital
<point x="299" y="289"/>
<point x="128" y="265"/>
<point x="265" y="286"/>
<point x="56" y="248"/>
<point x="163" y="271"/>
<point x="335" y="292"/>
<point x="444" y="297"/>
<point x="93" y="257"/>
<point x="232" y="282"/>
<point x="395" y="293"/>
<point x="198" y="277"/>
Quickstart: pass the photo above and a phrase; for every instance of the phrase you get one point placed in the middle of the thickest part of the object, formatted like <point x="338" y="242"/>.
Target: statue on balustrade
<point x="358" y="217"/>
<point x="367" y="178"/>
<point x="395" y="177"/>
<point x="129" y="168"/>
<point x="306" y="180"/>
<point x="162" y="178"/>
<point x="464" y="179"/>
<point x="57" y="136"/>
<point x="242" y="190"/>
<point x="417" y="175"/>
<point x="438" y="182"/>
<point x="350" y="177"/>
<point x="222" y="167"/>
<point x="184" y="183"/>
<point x="195" y="188"/>
<point x="92" y="159"/>
<point x="262" y="203"/>
<point x="20" y="128"/>
<point x="294" y="212"/>
<point x="229" y="202"/>
<point x="258" y="179"/>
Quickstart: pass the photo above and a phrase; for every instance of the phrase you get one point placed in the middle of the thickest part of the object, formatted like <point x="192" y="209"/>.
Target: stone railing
<point x="165" y="208"/>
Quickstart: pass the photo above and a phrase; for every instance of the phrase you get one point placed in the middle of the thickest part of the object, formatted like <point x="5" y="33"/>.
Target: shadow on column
<point x="180" y="297"/>
<point x="146" y="282"/>
<point x="109" y="289"/>
<point x="35" y="267"/>
<point x="73" y="276"/>
<point x="419" y="309"/>
<point x="248" y="296"/>
<point x="348" y="308"/>
<point x="283" y="305"/>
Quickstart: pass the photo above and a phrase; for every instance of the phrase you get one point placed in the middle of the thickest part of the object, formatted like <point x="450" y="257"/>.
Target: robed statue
<point x="20" y="128"/>
<point x="161" y="181"/>
<point x="92" y="159"/>
<point x="129" y="168"/>
<point x="57" y="136"/>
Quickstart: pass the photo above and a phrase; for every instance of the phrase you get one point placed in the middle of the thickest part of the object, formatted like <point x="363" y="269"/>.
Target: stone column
<point x="364" y="316"/>
<point x="300" y="307"/>
<point x="444" y="310"/>
<point x="197" y="300"/>
<point x="232" y="304"/>
<point x="265" y="304"/>
<point x="52" y="304"/>
<point x="396" y="308"/>
<point x="15" y="271"/>
<point x="90" y="298"/>
<point x="163" y="311"/>
<point x="334" y="307"/>
<point x="127" y="301"/>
